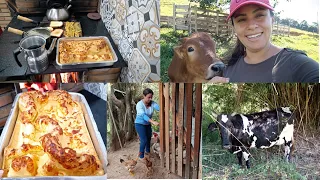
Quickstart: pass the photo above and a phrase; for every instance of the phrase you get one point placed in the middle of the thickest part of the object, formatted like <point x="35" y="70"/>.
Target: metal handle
<point x="53" y="44"/>
<point x="25" y="19"/>
<point x="69" y="7"/>
<point x="16" y="52"/>
<point x="15" y="31"/>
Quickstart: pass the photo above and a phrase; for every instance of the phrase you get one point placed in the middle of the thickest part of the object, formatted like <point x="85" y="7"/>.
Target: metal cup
<point x="33" y="46"/>
<point x="35" y="52"/>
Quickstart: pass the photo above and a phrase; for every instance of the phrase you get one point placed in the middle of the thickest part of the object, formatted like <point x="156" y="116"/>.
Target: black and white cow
<point x="239" y="132"/>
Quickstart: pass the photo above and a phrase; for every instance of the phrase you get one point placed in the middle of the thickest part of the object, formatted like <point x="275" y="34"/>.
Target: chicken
<point x="130" y="164"/>
<point x="156" y="148"/>
<point x="149" y="167"/>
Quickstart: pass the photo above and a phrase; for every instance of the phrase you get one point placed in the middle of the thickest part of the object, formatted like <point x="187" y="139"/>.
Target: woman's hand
<point x="218" y="79"/>
<point x="154" y="122"/>
<point x="1" y="173"/>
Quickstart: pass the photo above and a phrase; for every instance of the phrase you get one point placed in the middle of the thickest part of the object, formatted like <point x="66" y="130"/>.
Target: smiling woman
<point x="255" y="58"/>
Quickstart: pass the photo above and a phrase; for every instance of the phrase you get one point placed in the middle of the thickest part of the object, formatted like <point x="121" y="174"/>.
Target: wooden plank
<point x="173" y="113"/>
<point x="161" y="116"/>
<point x="189" y="128"/>
<point x="27" y="4"/>
<point x="104" y="71"/>
<point x="182" y="19"/>
<point x="182" y="6"/>
<point x="6" y="98"/>
<point x="174" y="17"/>
<point x="182" y="13"/>
<point x="6" y="89"/>
<point x="167" y="124"/>
<point x="180" y="128"/>
<point x="181" y="27"/>
<point x="197" y="133"/>
<point x="5" y="110"/>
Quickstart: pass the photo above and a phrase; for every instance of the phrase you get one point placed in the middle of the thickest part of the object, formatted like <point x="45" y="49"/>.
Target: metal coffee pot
<point x="35" y="52"/>
<point x="57" y="12"/>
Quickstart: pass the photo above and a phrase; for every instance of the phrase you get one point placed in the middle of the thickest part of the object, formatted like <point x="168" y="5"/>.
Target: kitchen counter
<point x="9" y="69"/>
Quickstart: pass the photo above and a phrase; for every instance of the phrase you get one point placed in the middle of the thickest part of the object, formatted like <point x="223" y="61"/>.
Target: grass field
<point x="166" y="6"/>
<point x="266" y="164"/>
<point x="219" y="164"/>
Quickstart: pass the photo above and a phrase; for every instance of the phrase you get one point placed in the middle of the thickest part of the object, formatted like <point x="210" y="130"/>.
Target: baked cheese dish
<point x="81" y="51"/>
<point x="50" y="138"/>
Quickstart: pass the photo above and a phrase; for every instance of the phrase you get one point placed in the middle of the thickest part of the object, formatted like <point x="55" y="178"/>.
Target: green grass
<point x="169" y="39"/>
<point x="166" y="8"/>
<point x="218" y="163"/>
<point x="304" y="42"/>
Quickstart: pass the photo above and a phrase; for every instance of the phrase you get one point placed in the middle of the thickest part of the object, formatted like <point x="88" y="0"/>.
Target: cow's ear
<point x="212" y="126"/>
<point x="178" y="51"/>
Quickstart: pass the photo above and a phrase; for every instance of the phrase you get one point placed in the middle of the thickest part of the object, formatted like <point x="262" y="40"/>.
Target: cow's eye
<point x="190" y="49"/>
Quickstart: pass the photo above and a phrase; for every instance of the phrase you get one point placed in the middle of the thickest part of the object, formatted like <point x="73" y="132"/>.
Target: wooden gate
<point x="180" y="116"/>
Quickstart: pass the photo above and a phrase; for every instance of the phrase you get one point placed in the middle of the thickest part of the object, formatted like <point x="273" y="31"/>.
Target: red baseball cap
<point x="236" y="4"/>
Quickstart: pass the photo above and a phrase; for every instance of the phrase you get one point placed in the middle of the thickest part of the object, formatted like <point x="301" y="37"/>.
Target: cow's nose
<point x="218" y="67"/>
<point x="226" y="146"/>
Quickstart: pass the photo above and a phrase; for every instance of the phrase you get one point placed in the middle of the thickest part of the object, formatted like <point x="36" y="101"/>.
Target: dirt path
<point x="307" y="156"/>
<point x="115" y="170"/>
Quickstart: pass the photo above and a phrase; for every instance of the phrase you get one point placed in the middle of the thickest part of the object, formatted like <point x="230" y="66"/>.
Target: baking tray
<point x="88" y="64"/>
<point x="92" y="128"/>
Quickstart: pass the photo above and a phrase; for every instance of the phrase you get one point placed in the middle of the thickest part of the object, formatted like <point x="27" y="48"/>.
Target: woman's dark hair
<point x="239" y="49"/>
<point x="147" y="91"/>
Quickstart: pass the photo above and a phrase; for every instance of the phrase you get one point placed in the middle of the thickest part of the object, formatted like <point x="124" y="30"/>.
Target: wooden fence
<point x="282" y="30"/>
<point x="193" y="19"/>
<point x="180" y="151"/>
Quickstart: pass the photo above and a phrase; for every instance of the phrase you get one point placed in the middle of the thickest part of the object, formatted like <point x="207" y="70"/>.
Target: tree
<point x="304" y="25"/>
<point x="121" y="113"/>
<point x="295" y="24"/>
<point x="122" y="100"/>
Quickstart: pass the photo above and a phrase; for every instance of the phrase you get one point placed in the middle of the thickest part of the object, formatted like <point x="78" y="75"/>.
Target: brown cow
<point x="195" y="60"/>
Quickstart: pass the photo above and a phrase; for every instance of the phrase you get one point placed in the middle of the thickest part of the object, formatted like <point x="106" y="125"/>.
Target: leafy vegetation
<point x="247" y="98"/>
<point x="121" y="122"/>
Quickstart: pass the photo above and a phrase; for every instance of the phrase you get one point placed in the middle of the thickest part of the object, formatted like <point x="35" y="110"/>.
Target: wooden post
<point x="161" y="116"/>
<point x="167" y="127"/>
<point x="196" y="18"/>
<point x="174" y="17"/>
<point x="180" y="128"/>
<point x="197" y="134"/>
<point x="189" y="19"/>
<point x="173" y="143"/>
<point x="189" y="129"/>
<point x="217" y="24"/>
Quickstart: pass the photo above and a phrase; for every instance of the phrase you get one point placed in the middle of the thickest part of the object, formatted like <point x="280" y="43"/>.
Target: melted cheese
<point x="79" y="51"/>
<point x="50" y="128"/>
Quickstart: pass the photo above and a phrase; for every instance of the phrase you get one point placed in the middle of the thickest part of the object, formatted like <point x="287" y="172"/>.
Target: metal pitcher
<point x="35" y="52"/>
<point x="58" y="13"/>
